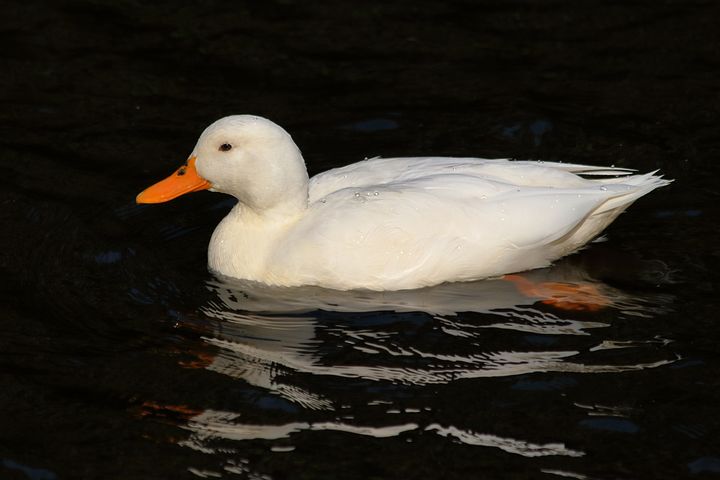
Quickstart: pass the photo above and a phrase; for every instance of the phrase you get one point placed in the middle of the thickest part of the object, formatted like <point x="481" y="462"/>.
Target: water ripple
<point x="510" y="445"/>
<point x="303" y="349"/>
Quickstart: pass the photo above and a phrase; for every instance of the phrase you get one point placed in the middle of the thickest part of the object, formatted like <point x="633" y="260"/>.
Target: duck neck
<point x="245" y="238"/>
<point x="277" y="189"/>
<point x="278" y="213"/>
<point x="273" y="207"/>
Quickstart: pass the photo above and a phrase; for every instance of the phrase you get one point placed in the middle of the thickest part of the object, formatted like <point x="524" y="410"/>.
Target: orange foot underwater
<point x="575" y="297"/>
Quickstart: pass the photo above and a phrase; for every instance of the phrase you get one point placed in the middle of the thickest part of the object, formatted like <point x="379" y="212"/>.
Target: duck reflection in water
<point x="547" y="320"/>
<point x="264" y="336"/>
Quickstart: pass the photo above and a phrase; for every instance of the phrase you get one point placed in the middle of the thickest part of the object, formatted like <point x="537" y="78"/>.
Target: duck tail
<point x="627" y="189"/>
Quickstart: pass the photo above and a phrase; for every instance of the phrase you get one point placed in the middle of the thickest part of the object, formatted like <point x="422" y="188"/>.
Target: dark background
<point x="100" y="99"/>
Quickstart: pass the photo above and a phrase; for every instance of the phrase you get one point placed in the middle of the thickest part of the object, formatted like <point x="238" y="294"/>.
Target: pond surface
<point x="122" y="357"/>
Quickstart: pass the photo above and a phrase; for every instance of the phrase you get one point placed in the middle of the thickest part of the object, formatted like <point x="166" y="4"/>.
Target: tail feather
<point x="584" y="170"/>
<point x="630" y="189"/>
<point x="623" y="192"/>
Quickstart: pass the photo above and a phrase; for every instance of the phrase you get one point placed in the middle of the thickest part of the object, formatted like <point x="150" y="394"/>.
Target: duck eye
<point x="225" y="147"/>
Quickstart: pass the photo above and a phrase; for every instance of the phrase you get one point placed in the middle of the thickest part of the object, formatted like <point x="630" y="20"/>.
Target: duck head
<point x="248" y="157"/>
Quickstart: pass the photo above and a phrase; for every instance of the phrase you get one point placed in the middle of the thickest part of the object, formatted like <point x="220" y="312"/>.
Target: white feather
<point x="402" y="223"/>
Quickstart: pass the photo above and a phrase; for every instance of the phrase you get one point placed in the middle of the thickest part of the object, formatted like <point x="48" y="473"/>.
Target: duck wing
<point x="381" y="171"/>
<point x="450" y="219"/>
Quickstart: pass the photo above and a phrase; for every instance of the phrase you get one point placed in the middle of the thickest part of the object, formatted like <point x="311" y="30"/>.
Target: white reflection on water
<point x="566" y="283"/>
<point x="284" y="341"/>
<point x="264" y="333"/>
<point x="213" y="425"/>
<point x="522" y="319"/>
<point x="510" y="445"/>
<point x="565" y="474"/>
<point x="489" y="364"/>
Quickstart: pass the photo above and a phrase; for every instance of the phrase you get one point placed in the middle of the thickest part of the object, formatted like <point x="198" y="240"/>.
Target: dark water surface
<point x="122" y="357"/>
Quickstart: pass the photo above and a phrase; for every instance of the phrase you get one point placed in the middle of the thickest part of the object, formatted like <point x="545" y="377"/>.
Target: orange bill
<point x="184" y="180"/>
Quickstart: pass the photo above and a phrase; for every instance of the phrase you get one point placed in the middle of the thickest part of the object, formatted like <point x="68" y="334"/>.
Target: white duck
<point x="390" y="223"/>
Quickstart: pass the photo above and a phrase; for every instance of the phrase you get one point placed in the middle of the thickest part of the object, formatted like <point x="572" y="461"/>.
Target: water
<point x="122" y="357"/>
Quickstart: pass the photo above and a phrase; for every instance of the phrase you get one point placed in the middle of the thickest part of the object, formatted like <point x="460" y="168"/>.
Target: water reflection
<point x="567" y="286"/>
<point x="510" y="445"/>
<point x="285" y="341"/>
<point x="260" y="330"/>
<point x="214" y="425"/>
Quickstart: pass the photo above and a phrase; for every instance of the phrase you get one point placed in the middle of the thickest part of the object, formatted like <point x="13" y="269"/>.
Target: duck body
<point x="398" y="223"/>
